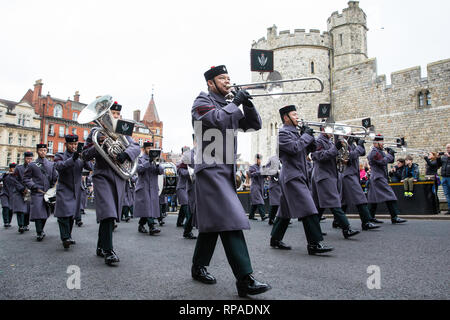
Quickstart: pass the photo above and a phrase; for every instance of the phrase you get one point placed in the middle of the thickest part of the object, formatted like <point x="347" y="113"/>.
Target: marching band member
<point x="21" y="207"/>
<point x="296" y="200"/>
<point x="325" y="181"/>
<point x="257" y="190"/>
<point x="219" y="211"/>
<point x="6" y="195"/>
<point x="182" y="196"/>
<point x="109" y="189"/>
<point x="352" y="193"/>
<point x="146" y="200"/>
<point x="274" y="190"/>
<point x="188" y="160"/>
<point x="162" y="208"/>
<point x="68" y="190"/>
<point x="128" y="201"/>
<point x="379" y="188"/>
<point x="40" y="176"/>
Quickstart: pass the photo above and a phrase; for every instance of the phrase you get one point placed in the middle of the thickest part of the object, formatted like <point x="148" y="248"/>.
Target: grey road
<point x="413" y="261"/>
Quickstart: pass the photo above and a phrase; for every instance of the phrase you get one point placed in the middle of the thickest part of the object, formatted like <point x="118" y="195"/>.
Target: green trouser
<point x="340" y="218"/>
<point x="40" y="224"/>
<point x="65" y="227"/>
<point x="125" y="211"/>
<point x="311" y="224"/>
<point x="182" y="214"/>
<point x="261" y="209"/>
<point x="391" y="205"/>
<point x="273" y="212"/>
<point x="26" y="219"/>
<point x="148" y="221"/>
<point x="235" y="249"/>
<point x="188" y="224"/>
<point x="408" y="184"/>
<point x="321" y="211"/>
<point x="20" y="219"/>
<point x="7" y="215"/>
<point x="105" y="234"/>
<point x="364" y="213"/>
<point x="162" y="211"/>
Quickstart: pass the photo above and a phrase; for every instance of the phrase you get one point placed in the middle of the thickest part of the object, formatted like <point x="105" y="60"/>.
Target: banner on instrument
<point x="261" y="60"/>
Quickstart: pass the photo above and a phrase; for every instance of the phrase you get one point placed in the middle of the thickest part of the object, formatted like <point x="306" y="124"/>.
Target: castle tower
<point x="348" y="35"/>
<point x="297" y="54"/>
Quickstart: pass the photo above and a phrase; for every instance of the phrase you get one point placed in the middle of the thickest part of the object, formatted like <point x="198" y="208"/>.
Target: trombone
<point x="275" y="87"/>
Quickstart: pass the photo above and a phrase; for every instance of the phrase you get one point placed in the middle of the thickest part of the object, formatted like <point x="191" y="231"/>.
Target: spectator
<point x="445" y="173"/>
<point x="409" y="176"/>
<point x="431" y="168"/>
<point x="396" y="172"/>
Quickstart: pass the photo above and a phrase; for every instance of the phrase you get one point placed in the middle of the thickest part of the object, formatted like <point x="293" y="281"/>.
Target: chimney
<point x="137" y="115"/>
<point x="76" y="97"/>
<point x="37" y="91"/>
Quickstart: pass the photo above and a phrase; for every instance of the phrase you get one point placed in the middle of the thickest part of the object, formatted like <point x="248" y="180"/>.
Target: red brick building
<point x="58" y="117"/>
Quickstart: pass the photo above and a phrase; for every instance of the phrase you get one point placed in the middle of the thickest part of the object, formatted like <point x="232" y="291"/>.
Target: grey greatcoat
<point x="85" y="191"/>
<point x="6" y="193"/>
<point x="68" y="189"/>
<point x="146" y="199"/>
<point x="274" y="183"/>
<point x="19" y="205"/>
<point x="109" y="188"/>
<point x="182" y="177"/>
<point x="325" y="189"/>
<point x="257" y="185"/>
<point x="190" y="186"/>
<point x="379" y="188"/>
<point x="296" y="200"/>
<point x="130" y="186"/>
<point x="352" y="193"/>
<point x="39" y="175"/>
<point x="218" y="206"/>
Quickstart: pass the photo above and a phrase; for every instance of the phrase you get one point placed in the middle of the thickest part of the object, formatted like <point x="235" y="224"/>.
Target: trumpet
<point x="275" y="87"/>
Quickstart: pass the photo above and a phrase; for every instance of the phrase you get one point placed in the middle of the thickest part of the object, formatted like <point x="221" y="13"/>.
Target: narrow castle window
<point x="271" y="129"/>
<point x="312" y="67"/>
<point x="340" y="38"/>
<point x="428" y="98"/>
<point x="421" y="99"/>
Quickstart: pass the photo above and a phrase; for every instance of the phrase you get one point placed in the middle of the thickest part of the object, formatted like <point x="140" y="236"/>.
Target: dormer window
<point x="58" y="111"/>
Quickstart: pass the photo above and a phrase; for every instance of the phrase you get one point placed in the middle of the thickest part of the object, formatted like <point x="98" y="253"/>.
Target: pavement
<point x="413" y="261"/>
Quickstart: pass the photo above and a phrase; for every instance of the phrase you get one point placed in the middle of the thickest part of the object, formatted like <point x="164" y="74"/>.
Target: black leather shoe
<point x="279" y="244"/>
<point x="264" y="218"/>
<point x="153" y="230"/>
<point x="270" y="222"/>
<point x="21" y="230"/>
<point x="111" y="257"/>
<point x="189" y="236"/>
<point x="66" y="243"/>
<point x="252" y="218"/>
<point x="180" y="225"/>
<point x="200" y="273"/>
<point x="323" y="218"/>
<point x="127" y="219"/>
<point x="161" y="223"/>
<point x="39" y="237"/>
<point x="324" y="234"/>
<point x="318" y="248"/>
<point x="142" y="229"/>
<point x="100" y="252"/>
<point x="335" y="225"/>
<point x="397" y="220"/>
<point x="72" y="241"/>
<point x="349" y="233"/>
<point x="250" y="286"/>
<point x="376" y="221"/>
<point x="79" y="223"/>
<point x="115" y="226"/>
<point x="26" y="228"/>
<point x="369" y="226"/>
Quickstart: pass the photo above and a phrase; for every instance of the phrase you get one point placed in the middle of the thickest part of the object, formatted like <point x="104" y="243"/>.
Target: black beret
<point x="215" y="71"/>
<point x="148" y="144"/>
<point x="41" y="145"/>
<point x="28" y="154"/>
<point x="116" y="106"/>
<point x="379" y="137"/>
<point x="286" y="110"/>
<point x="12" y="165"/>
<point x="71" y="137"/>
<point x="258" y="156"/>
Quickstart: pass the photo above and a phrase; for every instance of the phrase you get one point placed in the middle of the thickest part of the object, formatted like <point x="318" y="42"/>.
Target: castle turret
<point x="349" y="35"/>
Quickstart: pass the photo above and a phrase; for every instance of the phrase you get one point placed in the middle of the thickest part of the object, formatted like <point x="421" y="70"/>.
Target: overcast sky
<point x="123" y="48"/>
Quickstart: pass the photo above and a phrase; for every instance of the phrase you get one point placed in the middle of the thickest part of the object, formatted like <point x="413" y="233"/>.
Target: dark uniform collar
<point x="290" y="127"/>
<point x="218" y="97"/>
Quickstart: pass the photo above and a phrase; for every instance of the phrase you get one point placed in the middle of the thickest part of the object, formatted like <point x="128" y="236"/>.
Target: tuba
<point x="343" y="156"/>
<point x="114" y="144"/>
